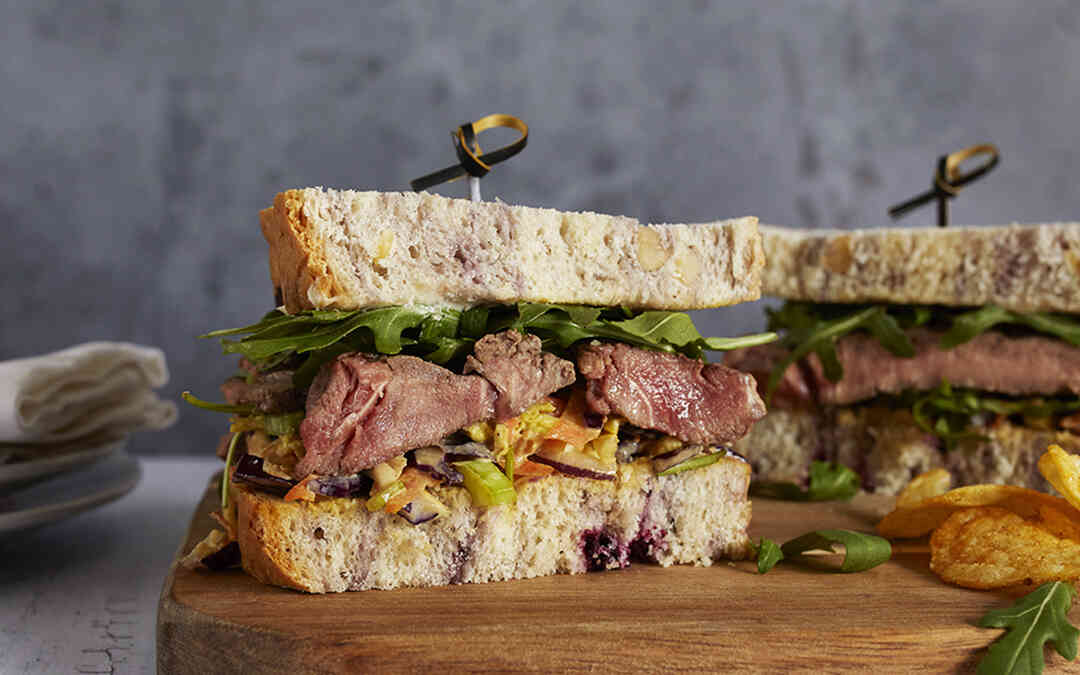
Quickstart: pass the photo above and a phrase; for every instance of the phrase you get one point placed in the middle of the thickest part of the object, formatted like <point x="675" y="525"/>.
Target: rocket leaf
<point x="861" y="551"/>
<point x="828" y="481"/>
<point x="970" y="324"/>
<point x="768" y="554"/>
<point x="1039" y="617"/>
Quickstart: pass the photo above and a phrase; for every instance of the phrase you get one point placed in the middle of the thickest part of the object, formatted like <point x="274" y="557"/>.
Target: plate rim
<point x="47" y="513"/>
<point x="28" y="471"/>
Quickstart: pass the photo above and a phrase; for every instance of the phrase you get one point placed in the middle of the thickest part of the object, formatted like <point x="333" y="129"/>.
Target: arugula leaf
<point x="831" y="481"/>
<point x="386" y="325"/>
<point x="276" y="319"/>
<point x="830" y="362"/>
<point x="474" y="321"/>
<point x="861" y="551"/>
<point x="580" y="314"/>
<point x="1039" y="617"/>
<point x="310" y="339"/>
<point x="675" y="328"/>
<point x="389" y="330"/>
<point x="449" y="349"/>
<point x="305" y="374"/>
<point x="443" y="325"/>
<point x="970" y="324"/>
<point x="888" y="332"/>
<point x="217" y="407"/>
<point x="828" y="481"/>
<point x="946" y="412"/>
<point x="768" y="554"/>
<point x="816" y="336"/>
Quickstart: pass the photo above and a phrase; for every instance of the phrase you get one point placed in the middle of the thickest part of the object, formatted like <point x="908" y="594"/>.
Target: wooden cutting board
<point x="896" y="617"/>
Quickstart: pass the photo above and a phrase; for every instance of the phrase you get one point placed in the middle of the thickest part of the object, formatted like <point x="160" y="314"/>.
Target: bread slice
<point x="888" y="449"/>
<point x="349" y="250"/>
<point x="559" y="525"/>
<point x="1026" y="268"/>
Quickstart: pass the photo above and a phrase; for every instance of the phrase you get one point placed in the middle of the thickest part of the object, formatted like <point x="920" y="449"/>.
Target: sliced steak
<point x="686" y="398"/>
<point x="991" y="361"/>
<point x="363" y="411"/>
<point x="794" y="388"/>
<point x="269" y="392"/>
<point x="520" y="370"/>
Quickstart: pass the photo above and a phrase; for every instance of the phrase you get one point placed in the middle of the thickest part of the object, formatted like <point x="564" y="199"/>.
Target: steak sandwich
<point x="908" y="349"/>
<point x="455" y="391"/>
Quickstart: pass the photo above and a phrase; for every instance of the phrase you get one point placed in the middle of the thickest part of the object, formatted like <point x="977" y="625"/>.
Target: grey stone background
<point x="139" y="139"/>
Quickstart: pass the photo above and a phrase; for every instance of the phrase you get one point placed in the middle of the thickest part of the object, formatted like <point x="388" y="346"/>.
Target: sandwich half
<point x="907" y="349"/>
<point x="455" y="391"/>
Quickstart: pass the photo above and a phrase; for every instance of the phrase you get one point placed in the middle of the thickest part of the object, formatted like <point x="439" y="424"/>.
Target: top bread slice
<point x="1025" y="268"/>
<point x="332" y="249"/>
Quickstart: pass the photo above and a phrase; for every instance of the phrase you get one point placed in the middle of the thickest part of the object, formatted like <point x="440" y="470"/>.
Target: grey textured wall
<point x="139" y="139"/>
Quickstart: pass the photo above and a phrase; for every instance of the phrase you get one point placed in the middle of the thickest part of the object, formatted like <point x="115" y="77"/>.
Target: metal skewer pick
<point x="948" y="180"/>
<point x="471" y="162"/>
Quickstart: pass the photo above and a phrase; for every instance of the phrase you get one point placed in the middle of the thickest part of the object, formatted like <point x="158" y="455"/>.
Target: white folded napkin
<point x="94" y="389"/>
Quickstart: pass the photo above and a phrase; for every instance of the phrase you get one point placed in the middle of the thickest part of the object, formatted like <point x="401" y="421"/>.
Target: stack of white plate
<point x="43" y="490"/>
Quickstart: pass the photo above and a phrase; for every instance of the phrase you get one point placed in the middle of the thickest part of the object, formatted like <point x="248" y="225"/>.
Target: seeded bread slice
<point x="1026" y="268"/>
<point x="888" y="449"/>
<point x="350" y="250"/>
<point x="559" y="525"/>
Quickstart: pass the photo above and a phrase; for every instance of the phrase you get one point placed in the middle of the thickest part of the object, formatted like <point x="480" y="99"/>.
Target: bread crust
<point x="336" y="544"/>
<point x="1026" y="268"/>
<point x="349" y="250"/>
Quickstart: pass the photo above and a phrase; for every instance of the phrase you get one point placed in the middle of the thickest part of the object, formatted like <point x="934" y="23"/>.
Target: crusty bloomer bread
<point x="889" y="449"/>
<point x="349" y="250"/>
<point x="558" y="525"/>
<point x="1026" y="268"/>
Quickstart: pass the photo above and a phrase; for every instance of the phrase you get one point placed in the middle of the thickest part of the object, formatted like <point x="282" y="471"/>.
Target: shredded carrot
<point x="301" y="491"/>
<point x="530" y="469"/>
<point x="415" y="481"/>
<point x="571" y="427"/>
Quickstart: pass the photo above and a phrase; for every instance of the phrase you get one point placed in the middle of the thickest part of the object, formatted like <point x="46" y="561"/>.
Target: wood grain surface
<point x="897" y="617"/>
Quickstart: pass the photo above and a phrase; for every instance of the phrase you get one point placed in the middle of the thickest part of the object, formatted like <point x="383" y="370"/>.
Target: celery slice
<point x="510" y="462"/>
<point x="283" y="425"/>
<point x="287" y="424"/>
<point x="692" y="463"/>
<point x="487" y="485"/>
<point x="379" y="499"/>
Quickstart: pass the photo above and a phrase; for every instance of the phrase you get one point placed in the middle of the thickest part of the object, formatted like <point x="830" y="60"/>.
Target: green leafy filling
<point x="947" y="412"/>
<point x="814" y="328"/>
<point x="828" y="481"/>
<point x="1037" y="618"/>
<point x="446" y="336"/>
<point x="810" y="328"/>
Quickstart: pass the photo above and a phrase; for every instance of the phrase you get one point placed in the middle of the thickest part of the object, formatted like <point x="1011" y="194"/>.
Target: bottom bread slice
<point x="888" y="449"/>
<point x="559" y="524"/>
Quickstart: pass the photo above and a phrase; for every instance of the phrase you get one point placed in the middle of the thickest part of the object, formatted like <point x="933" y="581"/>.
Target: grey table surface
<point x="81" y="595"/>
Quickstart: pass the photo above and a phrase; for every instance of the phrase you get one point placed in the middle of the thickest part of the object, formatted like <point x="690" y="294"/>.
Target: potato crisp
<point x="992" y="536"/>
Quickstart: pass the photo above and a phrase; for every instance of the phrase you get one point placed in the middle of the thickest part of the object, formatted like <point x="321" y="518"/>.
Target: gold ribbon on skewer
<point x="948" y="180"/>
<point x="471" y="160"/>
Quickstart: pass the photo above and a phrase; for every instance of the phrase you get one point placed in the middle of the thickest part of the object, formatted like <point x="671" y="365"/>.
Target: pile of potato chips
<point x="993" y="536"/>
